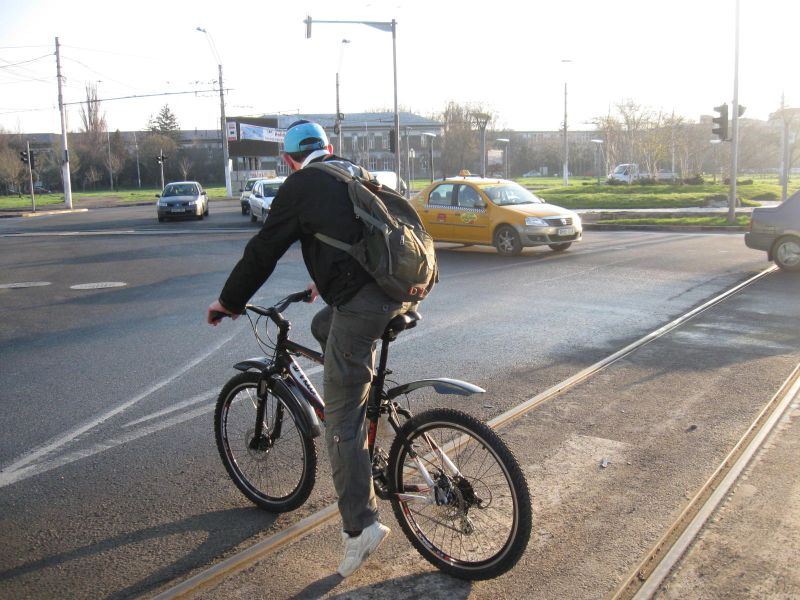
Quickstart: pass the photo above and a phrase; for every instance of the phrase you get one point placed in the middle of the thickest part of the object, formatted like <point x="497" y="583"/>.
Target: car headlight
<point x="576" y="220"/>
<point x="192" y="202"/>
<point x="162" y="203"/>
<point x="536" y="222"/>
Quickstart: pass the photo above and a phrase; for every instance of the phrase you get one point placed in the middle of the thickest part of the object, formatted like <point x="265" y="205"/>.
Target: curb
<point x="679" y="228"/>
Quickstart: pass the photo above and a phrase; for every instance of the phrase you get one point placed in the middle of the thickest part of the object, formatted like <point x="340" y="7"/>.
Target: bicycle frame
<point x="284" y="372"/>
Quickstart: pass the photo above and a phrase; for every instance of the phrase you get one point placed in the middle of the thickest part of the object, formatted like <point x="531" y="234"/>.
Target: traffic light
<point x="741" y="109"/>
<point x="23" y="156"/>
<point x="158" y="159"/>
<point x="392" y="140"/>
<point x="307" y="21"/>
<point x="721" y="122"/>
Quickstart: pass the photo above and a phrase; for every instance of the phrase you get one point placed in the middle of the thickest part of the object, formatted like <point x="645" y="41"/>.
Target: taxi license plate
<point x="566" y="230"/>
<point x="180" y="210"/>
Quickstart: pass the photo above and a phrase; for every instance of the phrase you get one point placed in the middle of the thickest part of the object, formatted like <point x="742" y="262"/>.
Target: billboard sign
<point x="251" y="136"/>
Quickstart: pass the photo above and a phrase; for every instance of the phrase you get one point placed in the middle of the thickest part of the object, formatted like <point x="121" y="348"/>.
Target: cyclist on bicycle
<point x="357" y="312"/>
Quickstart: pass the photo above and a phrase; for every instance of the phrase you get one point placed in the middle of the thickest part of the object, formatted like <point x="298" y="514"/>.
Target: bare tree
<point x="184" y="165"/>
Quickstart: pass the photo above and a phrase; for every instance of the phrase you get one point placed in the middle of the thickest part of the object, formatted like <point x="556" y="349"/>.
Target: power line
<point x="134" y="96"/>
<point x="146" y="96"/>
<point x="24" y="62"/>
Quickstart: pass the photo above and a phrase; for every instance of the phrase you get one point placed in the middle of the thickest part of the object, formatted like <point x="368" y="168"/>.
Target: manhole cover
<point x="98" y="285"/>
<point x="23" y="284"/>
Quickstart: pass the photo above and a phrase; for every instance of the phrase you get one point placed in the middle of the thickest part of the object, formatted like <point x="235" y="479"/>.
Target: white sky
<point x="504" y="54"/>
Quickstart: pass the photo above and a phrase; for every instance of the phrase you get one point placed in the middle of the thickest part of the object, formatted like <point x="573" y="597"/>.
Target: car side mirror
<point x="205" y="193"/>
<point x="158" y="195"/>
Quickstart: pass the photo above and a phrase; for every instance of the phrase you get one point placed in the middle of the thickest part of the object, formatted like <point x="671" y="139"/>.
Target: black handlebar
<point x="274" y="311"/>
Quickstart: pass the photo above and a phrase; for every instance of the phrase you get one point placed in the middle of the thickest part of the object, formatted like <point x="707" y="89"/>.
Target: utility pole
<point x="735" y="128"/>
<point x="138" y="172"/>
<point x="566" y="143"/>
<point x="65" y="176"/>
<point x="161" y="159"/>
<point x="29" y="156"/>
<point x="228" y="191"/>
<point x="110" y="168"/>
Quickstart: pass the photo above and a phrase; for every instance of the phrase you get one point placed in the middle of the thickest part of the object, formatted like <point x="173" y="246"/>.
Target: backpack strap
<point x="346" y="177"/>
<point x="333" y="242"/>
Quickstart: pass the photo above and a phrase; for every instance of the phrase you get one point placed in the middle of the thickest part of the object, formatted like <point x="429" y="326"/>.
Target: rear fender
<point x="441" y="385"/>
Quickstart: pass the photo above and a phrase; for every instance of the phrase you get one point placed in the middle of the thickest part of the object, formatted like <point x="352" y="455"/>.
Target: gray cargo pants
<point x="348" y="335"/>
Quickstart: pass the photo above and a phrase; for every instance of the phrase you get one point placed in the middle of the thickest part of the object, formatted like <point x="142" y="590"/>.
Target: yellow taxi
<point x="477" y="210"/>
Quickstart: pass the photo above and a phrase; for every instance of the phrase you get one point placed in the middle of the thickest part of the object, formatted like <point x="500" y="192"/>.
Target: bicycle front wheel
<point x="476" y="521"/>
<point x="277" y="469"/>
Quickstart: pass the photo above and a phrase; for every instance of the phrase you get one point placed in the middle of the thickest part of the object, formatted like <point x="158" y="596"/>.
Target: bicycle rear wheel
<point x="276" y="471"/>
<point x="480" y="523"/>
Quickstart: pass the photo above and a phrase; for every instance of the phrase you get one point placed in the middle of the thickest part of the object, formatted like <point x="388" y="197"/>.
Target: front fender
<point x="308" y="420"/>
<point x="441" y="385"/>
<point x="259" y="363"/>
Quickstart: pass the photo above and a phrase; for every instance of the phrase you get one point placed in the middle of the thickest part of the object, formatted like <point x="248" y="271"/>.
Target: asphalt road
<point x="110" y="485"/>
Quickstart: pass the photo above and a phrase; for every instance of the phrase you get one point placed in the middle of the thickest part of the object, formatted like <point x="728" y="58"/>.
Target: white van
<point x="389" y="179"/>
<point x="627" y="172"/>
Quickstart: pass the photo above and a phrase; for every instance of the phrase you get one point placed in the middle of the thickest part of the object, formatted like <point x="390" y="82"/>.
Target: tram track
<point x="645" y="580"/>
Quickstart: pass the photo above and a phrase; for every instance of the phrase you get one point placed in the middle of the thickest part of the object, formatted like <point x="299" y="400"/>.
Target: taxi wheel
<point x="560" y="247"/>
<point x="507" y="242"/>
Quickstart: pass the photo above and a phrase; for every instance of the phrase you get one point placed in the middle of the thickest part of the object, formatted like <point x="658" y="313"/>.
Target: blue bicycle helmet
<point x="302" y="136"/>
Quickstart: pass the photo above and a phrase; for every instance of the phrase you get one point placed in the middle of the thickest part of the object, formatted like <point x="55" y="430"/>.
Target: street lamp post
<point x="383" y="26"/>
<point x="597" y="145"/>
<point x="506" y="150"/>
<point x="337" y="128"/>
<point x="412" y="154"/>
<point x="430" y="147"/>
<point x="481" y="120"/>
<point x="566" y="143"/>
<point x="223" y="131"/>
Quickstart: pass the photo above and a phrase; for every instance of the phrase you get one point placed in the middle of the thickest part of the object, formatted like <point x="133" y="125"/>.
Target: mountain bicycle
<point x="456" y="489"/>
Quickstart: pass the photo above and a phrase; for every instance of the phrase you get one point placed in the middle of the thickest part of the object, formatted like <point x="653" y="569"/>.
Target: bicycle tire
<point x="501" y="526"/>
<point x="278" y="478"/>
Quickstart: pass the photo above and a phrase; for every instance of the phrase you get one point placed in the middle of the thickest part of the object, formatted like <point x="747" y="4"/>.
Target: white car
<point x="261" y="196"/>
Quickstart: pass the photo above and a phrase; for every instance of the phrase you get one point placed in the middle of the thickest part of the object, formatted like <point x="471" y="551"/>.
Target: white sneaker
<point x="357" y="549"/>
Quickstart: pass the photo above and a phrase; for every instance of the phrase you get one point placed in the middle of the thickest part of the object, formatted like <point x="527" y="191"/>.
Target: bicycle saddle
<point x="400" y="323"/>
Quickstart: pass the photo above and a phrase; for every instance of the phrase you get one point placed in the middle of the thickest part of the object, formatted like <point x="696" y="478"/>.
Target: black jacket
<point x="308" y="202"/>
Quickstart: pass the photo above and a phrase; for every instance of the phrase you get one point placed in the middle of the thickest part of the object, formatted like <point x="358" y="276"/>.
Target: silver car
<point x="264" y="191"/>
<point x="776" y="229"/>
<point x="182" y="199"/>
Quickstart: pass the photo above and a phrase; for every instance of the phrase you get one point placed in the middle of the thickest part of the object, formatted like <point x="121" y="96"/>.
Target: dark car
<point x="776" y="229"/>
<point x="182" y="199"/>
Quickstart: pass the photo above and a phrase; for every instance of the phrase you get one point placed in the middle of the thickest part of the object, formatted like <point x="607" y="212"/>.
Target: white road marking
<point x="207" y="395"/>
<point x="9" y="474"/>
<point x="98" y="285"/>
<point x="23" y="284"/>
<point x="129" y="232"/>
<point x="67" y="458"/>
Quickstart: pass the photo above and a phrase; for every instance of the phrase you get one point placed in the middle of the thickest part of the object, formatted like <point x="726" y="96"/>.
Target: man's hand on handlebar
<point x="312" y="288"/>
<point x="216" y="312"/>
